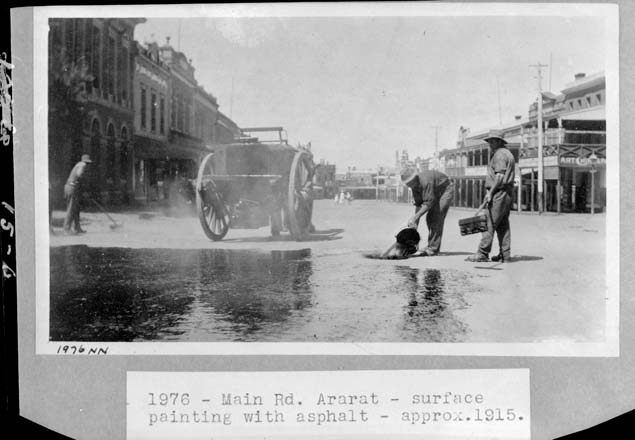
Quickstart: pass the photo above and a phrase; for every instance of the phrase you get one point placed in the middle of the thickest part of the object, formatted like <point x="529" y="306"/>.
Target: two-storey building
<point x="176" y="122"/>
<point x="152" y="85"/>
<point x="574" y="148"/>
<point x="574" y="152"/>
<point x="105" y="47"/>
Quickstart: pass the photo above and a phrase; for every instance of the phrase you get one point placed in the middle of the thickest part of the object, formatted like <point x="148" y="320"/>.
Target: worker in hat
<point x="500" y="185"/>
<point x="432" y="192"/>
<point x="72" y="193"/>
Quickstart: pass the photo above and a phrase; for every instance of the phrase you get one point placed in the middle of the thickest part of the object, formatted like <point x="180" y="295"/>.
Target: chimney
<point x="578" y="76"/>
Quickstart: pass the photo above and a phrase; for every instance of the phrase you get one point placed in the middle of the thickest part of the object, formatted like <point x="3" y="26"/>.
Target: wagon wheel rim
<point x="212" y="212"/>
<point x="300" y="203"/>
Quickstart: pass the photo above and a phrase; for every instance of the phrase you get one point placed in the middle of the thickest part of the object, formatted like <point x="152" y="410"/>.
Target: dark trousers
<point x="435" y="218"/>
<point x="498" y="222"/>
<point x="72" y="208"/>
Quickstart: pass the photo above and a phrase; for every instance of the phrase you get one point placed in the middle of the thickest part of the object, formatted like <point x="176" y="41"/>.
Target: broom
<point x="114" y="224"/>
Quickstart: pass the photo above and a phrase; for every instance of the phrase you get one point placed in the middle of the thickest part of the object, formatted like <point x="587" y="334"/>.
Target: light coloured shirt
<point x="74" y="178"/>
<point x="502" y="162"/>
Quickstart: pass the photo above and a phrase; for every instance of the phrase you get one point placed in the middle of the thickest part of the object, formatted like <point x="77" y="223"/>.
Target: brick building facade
<point x="103" y="129"/>
<point x="136" y="109"/>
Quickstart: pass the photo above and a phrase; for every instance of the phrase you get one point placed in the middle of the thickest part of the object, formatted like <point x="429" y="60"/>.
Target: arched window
<point x="110" y="154"/>
<point x="95" y="134"/>
<point x="95" y="128"/>
<point x="124" y="163"/>
<point x="95" y="156"/>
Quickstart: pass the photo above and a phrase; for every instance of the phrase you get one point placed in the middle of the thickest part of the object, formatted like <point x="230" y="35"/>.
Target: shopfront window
<point x="143" y="107"/>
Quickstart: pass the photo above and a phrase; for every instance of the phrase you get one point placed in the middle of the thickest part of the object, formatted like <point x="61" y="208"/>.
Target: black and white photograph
<point x="443" y="182"/>
<point x="319" y="220"/>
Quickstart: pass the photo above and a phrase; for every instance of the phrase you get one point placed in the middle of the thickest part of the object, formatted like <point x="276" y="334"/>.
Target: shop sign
<point x="476" y="171"/>
<point x="573" y="161"/>
<point x="532" y="162"/>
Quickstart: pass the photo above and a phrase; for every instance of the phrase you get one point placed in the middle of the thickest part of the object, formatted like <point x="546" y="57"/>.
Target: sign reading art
<point x="573" y="161"/>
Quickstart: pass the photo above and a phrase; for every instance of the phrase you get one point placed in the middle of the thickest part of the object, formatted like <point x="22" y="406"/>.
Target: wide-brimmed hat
<point x="408" y="174"/>
<point x="495" y="134"/>
<point x="86" y="158"/>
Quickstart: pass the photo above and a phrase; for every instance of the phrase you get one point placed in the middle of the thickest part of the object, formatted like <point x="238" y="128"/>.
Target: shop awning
<point x="590" y="114"/>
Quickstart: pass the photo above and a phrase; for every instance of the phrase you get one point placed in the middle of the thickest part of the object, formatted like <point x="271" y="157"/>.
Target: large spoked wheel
<point x="300" y="202"/>
<point x="212" y="212"/>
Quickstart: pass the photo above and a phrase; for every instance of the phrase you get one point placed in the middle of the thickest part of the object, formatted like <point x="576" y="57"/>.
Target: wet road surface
<point x="219" y="295"/>
<point x="158" y="278"/>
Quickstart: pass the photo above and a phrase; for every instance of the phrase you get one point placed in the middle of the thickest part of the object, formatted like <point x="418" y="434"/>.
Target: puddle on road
<point x="205" y="295"/>
<point x="433" y="299"/>
<point x="379" y="256"/>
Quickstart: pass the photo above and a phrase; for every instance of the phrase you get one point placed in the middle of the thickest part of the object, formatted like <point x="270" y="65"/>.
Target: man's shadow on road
<point x="450" y="254"/>
<point x="514" y="259"/>
<point x="318" y="235"/>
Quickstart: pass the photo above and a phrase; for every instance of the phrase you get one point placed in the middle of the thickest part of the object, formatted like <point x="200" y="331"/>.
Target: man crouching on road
<point x="499" y="184"/>
<point x="432" y="192"/>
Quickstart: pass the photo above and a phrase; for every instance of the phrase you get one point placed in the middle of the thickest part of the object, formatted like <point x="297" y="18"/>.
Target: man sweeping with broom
<point x="498" y="200"/>
<point x="72" y="193"/>
<point x="432" y="192"/>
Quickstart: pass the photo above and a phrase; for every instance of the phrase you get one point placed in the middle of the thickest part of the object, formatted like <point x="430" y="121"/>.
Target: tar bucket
<point x="475" y="224"/>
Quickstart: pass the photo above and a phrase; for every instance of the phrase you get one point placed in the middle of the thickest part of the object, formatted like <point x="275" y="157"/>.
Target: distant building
<point x="467" y="164"/>
<point x="226" y="130"/>
<point x="153" y="90"/>
<point x="193" y="114"/>
<point x="324" y="180"/>
<point x="574" y="147"/>
<point x="143" y="118"/>
<point x="176" y="122"/>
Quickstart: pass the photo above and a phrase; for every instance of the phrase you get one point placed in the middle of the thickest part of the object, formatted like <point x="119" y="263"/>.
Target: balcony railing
<point x="561" y="136"/>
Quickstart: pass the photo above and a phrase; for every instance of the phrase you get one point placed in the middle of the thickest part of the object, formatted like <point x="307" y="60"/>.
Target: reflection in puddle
<point x="212" y="295"/>
<point x="430" y="306"/>
<point x="117" y="294"/>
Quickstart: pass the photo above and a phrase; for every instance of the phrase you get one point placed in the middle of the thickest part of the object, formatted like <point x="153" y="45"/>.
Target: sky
<point x="361" y="88"/>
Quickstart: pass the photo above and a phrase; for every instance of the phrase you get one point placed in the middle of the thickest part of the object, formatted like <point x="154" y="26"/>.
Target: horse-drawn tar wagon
<point x="251" y="183"/>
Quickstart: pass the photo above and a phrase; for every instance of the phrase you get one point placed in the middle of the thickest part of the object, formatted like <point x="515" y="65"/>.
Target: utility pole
<point x="436" y="142"/>
<point x="550" y="69"/>
<point x="231" y="100"/>
<point x="540" y="137"/>
<point x="498" y="89"/>
<point x="178" y="48"/>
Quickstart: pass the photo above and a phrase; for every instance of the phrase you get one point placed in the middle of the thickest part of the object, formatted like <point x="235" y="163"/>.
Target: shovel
<point x="387" y="251"/>
<point x="114" y="224"/>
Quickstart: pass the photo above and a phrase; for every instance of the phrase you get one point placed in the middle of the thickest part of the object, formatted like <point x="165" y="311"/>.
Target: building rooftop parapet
<point x="583" y="81"/>
<point x="152" y="56"/>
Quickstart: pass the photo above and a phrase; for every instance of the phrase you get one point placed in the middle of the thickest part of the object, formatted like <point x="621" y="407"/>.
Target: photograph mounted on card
<point x="212" y="180"/>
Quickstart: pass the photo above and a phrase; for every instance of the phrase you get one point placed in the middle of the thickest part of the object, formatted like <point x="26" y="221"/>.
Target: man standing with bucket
<point x="432" y="192"/>
<point x="498" y="199"/>
<point x="72" y="193"/>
